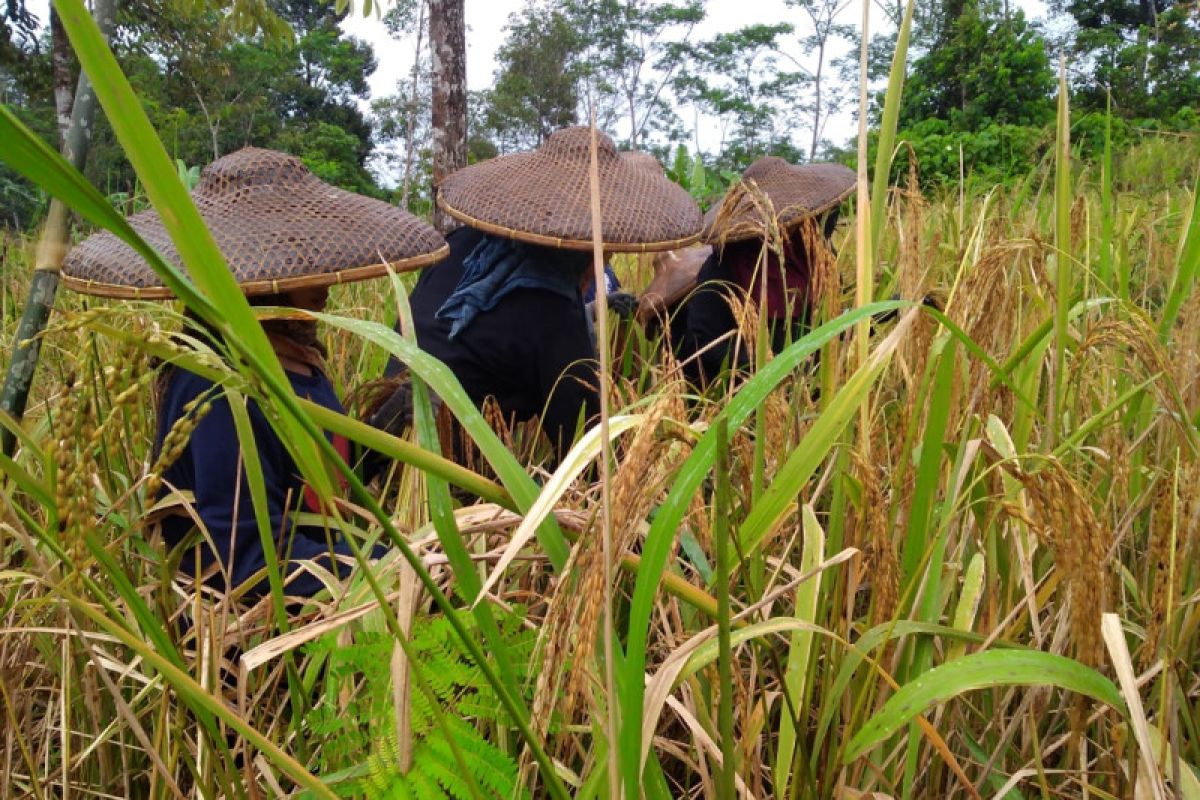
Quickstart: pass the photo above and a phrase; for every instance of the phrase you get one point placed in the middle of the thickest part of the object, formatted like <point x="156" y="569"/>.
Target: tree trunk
<point x="51" y="248"/>
<point x="410" y="146"/>
<point x="64" y="79"/>
<point x="816" y="137"/>
<point x="448" y="52"/>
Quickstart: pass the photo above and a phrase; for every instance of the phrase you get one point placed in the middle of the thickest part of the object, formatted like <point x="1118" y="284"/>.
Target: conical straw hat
<point x="278" y="226"/>
<point x="543" y="197"/>
<point x="796" y="193"/>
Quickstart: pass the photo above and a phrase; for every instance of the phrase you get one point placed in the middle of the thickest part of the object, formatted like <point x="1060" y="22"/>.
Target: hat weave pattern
<point x="278" y="226"/>
<point x="544" y="197"/>
<point x="796" y="193"/>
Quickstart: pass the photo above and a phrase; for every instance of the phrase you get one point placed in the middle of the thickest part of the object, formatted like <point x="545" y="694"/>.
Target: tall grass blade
<point x="441" y="509"/>
<point x="1063" y="268"/>
<point x="816" y="444"/>
<point x="522" y="488"/>
<point x="800" y="650"/>
<point x="665" y="526"/>
<point x="723" y="504"/>
<point x="1187" y="265"/>
<point x="886" y="144"/>
<point x="984" y="670"/>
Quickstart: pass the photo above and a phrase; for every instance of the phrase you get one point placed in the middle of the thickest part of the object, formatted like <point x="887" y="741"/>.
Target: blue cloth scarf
<point x="498" y="266"/>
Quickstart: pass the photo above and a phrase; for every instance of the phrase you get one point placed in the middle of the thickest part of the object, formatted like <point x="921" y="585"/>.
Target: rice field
<point x="951" y="553"/>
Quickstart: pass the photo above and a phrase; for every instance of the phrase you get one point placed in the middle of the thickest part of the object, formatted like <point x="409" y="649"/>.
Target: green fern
<point x="363" y="737"/>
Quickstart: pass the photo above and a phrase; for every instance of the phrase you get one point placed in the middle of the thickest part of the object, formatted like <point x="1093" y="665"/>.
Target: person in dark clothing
<point x="280" y="258"/>
<point x="210" y="465"/>
<point x="505" y="312"/>
<point x="741" y="262"/>
<point x="529" y="348"/>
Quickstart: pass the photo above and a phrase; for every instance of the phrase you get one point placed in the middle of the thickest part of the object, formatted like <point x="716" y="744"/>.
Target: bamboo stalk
<point x="52" y="247"/>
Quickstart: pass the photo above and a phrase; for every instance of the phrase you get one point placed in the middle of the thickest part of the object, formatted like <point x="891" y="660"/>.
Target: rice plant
<point x="948" y="554"/>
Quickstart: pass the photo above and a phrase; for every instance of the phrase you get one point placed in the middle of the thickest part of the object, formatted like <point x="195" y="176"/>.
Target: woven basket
<point x="796" y="193"/>
<point x="278" y="226"/>
<point x="543" y="197"/>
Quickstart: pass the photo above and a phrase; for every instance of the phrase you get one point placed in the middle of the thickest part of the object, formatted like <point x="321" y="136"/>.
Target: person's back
<point x="531" y="352"/>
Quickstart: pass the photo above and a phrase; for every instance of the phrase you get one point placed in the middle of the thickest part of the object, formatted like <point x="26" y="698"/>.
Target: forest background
<point x="285" y="74"/>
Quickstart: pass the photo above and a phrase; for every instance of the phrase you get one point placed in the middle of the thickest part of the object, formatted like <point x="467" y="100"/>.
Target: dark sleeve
<point x="709" y="317"/>
<point x="563" y="369"/>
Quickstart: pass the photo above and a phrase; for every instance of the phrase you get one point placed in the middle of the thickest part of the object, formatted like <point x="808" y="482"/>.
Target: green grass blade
<point x="800" y="649"/>
<point x="665" y="526"/>
<point x="441" y="511"/>
<point x="981" y="671"/>
<point x="811" y="451"/>
<point x="886" y="144"/>
<point x="721" y="530"/>
<point x="438" y="377"/>
<point x="1063" y="278"/>
<point x="1185" y="270"/>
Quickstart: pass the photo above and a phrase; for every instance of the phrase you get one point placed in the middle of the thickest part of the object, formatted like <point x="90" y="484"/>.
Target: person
<point x="287" y="237"/>
<point x="505" y="311"/>
<point x="741" y="261"/>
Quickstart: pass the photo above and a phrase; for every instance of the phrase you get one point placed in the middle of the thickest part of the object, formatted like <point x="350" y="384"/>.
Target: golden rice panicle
<point x="73" y="451"/>
<point x="1185" y="351"/>
<point x="825" y="288"/>
<point x="1062" y="518"/>
<point x="634" y="490"/>
<point x="1170" y="548"/>
<point x="874" y="536"/>
<point x="1158" y="574"/>
<point x="985" y="306"/>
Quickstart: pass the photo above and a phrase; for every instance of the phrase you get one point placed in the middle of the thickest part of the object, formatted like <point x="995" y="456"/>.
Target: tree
<point x="536" y="91"/>
<point x="1145" y="52"/>
<point x="823" y="15"/>
<point x="634" y="50"/>
<point x="735" y="78"/>
<point x="447" y="42"/>
<point x="981" y="68"/>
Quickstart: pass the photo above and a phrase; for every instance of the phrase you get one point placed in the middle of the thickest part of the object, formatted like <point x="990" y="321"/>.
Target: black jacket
<point x="532" y="352"/>
<point x="708" y="316"/>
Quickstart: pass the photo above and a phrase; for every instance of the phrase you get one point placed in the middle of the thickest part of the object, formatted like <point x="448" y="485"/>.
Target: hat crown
<point x="573" y="144"/>
<point x="765" y="166"/>
<point x="250" y="167"/>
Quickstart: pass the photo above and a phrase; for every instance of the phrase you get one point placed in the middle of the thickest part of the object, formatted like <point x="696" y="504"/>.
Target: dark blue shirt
<point x="209" y="468"/>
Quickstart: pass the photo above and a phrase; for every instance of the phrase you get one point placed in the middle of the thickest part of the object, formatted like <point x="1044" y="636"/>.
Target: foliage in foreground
<point x="1033" y="518"/>
<point x="959" y="561"/>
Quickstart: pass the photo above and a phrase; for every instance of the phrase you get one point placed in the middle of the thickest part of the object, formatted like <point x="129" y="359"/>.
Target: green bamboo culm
<point x="43" y="286"/>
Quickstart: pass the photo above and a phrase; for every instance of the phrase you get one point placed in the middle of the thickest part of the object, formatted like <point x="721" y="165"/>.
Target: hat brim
<point x="260" y="287"/>
<point x="278" y="227"/>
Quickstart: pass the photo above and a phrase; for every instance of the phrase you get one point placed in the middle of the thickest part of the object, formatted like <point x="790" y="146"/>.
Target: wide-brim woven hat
<point x="544" y="197"/>
<point x="279" y="227"/>
<point x="796" y="193"/>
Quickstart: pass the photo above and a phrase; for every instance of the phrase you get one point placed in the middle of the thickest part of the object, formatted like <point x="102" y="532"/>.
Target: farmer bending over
<point x="287" y="237"/>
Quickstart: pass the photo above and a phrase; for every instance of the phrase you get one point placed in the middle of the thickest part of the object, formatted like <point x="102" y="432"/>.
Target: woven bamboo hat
<point x="543" y="197"/>
<point x="278" y="226"/>
<point x="796" y="194"/>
